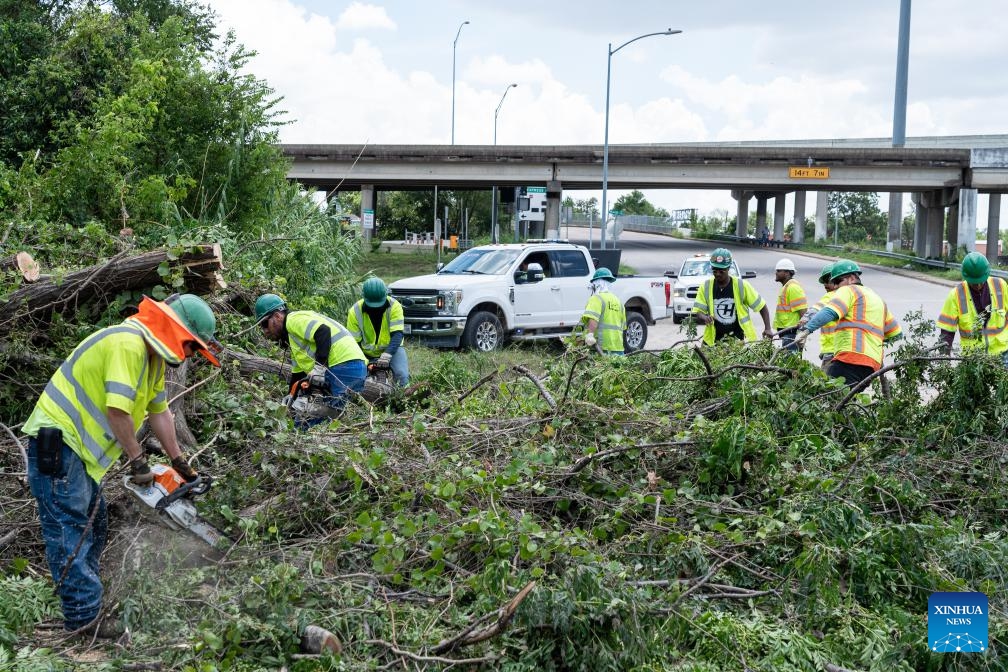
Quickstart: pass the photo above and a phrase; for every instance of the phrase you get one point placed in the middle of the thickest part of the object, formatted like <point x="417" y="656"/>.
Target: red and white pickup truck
<point x="522" y="291"/>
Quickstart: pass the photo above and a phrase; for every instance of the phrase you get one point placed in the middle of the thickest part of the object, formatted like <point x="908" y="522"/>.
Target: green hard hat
<point x="603" y="274"/>
<point x="268" y="304"/>
<point x="375" y="292"/>
<point x="721" y="258"/>
<point x="195" y="315"/>
<point x="975" y="268"/>
<point x="844" y="267"/>
<point x="826" y="274"/>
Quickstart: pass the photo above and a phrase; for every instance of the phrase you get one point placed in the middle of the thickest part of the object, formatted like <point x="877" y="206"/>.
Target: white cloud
<point x="361" y="16"/>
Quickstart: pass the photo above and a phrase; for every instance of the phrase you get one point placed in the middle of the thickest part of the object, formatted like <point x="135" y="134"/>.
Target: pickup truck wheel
<point x="483" y="332"/>
<point x="635" y="335"/>
<point x="676" y="319"/>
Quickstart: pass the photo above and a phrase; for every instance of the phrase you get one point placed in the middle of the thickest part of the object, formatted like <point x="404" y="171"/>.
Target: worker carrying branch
<point x="976" y="309"/>
<point x="604" y="317"/>
<point x="723" y="303"/>
<point x="863" y="325"/>
<point x="87" y="416"/>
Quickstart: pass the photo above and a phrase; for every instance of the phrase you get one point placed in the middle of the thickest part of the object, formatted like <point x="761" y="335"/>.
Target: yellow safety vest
<point x="960" y="313"/>
<point x="301" y="326"/>
<point x="746" y="299"/>
<point x="362" y="330"/>
<point x="865" y="322"/>
<point x="109" y="369"/>
<point x="606" y="309"/>
<point x="790" y="299"/>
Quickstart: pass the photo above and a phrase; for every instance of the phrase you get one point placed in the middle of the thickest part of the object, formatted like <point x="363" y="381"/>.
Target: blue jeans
<point x="65" y="501"/>
<point x="343" y="379"/>
<point x="399" y="366"/>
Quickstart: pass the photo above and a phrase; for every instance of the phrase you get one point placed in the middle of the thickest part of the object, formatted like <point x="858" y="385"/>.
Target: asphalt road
<point x="649" y="254"/>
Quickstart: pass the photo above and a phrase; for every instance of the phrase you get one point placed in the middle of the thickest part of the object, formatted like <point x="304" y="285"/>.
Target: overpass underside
<point x="944" y="181"/>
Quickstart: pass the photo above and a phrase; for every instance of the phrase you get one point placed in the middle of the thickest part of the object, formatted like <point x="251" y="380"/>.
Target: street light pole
<point x="455" y="44"/>
<point x="605" y="149"/>
<point x="493" y="208"/>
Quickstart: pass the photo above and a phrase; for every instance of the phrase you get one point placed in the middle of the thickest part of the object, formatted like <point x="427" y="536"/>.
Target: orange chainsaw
<point x="169" y="501"/>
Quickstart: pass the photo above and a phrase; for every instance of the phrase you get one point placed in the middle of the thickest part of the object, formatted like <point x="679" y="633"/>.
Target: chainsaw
<point x="379" y="385"/>
<point x="168" y="500"/>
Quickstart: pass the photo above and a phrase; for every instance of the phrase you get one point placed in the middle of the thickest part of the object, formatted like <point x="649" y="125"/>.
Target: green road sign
<point x="535" y="190"/>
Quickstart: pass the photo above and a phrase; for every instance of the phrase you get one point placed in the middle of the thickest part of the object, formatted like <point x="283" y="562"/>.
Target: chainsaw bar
<point x="175" y="510"/>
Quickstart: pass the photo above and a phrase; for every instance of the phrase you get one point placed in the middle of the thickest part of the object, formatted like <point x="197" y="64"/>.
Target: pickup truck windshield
<point x="482" y="262"/>
<point x="697" y="267"/>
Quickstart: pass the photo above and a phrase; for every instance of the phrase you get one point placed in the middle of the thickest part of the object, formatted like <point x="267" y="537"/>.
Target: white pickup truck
<point x="522" y="291"/>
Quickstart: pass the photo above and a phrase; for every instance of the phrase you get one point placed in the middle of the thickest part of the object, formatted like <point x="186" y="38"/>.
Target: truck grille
<point x="691" y="292"/>
<point x="418" y="303"/>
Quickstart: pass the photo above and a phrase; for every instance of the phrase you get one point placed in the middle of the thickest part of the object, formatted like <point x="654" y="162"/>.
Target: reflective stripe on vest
<point x="307" y="343"/>
<point x="376" y="343"/>
<point x="88" y="405"/>
<point x="860" y="328"/>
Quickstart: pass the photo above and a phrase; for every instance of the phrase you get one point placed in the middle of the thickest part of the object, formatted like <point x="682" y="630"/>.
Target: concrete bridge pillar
<point x="367" y="203"/>
<point x="920" y="226"/>
<point x="799" y="217"/>
<point x="760" y="214"/>
<point x="993" y="227"/>
<point x="778" y="216"/>
<point x="893" y="239"/>
<point x="554" y="191"/>
<point x="821" y="211"/>
<point x="967" y="229"/>
<point x="742" y="212"/>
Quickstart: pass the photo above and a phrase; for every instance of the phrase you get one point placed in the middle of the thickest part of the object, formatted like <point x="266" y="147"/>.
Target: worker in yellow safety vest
<point x="377" y="324"/>
<point x="826" y="331"/>
<point x="976" y="309"/>
<point x="604" y="317"/>
<point x="791" y="304"/>
<point x="864" y="324"/>
<point x="323" y="352"/>
<point x="723" y="304"/>
<point x="87" y="416"/>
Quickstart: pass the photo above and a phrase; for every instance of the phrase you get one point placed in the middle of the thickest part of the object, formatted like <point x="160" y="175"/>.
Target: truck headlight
<point x="447" y="302"/>
<point x="679" y="292"/>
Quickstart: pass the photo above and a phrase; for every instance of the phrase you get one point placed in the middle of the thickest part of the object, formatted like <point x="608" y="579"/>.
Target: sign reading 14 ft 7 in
<point x="803" y="173"/>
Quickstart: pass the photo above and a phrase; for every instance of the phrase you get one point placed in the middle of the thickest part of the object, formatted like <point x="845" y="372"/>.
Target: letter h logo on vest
<point x="957" y="622"/>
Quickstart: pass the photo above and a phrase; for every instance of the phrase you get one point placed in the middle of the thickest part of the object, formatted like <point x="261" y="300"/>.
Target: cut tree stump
<point x="316" y="640"/>
<point x="24" y="264"/>
<point x="200" y="266"/>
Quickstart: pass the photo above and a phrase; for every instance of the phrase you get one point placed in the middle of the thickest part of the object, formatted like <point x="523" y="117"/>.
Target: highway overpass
<point x="942" y="172"/>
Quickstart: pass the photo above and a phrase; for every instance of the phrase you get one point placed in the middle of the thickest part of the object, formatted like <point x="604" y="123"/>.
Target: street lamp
<point x="455" y="44"/>
<point x="605" y="150"/>
<point x="493" y="207"/>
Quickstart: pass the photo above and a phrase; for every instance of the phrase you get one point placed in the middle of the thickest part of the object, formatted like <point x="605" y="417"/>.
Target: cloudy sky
<point x="381" y="72"/>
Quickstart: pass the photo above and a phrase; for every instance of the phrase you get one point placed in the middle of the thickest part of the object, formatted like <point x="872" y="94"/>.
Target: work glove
<point x="589" y="340"/>
<point x="385" y="361"/>
<point x="140" y="471"/>
<point x="317" y="377"/>
<point x="799" y="339"/>
<point x="181" y="465"/>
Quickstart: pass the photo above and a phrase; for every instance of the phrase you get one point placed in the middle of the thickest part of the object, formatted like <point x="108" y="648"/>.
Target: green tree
<point x="141" y="122"/>
<point x="858" y="216"/>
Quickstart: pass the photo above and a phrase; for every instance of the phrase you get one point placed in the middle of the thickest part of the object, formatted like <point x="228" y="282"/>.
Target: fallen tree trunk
<point x="24" y="264"/>
<point x="249" y="364"/>
<point x="200" y="267"/>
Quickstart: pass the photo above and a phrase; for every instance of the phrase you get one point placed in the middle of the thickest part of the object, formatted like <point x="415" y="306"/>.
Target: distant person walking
<point x="791" y="304"/>
<point x="976" y="309"/>
<point x="723" y="304"/>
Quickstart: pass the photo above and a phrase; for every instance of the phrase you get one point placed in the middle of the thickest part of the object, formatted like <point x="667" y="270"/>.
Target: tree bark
<point x="200" y="270"/>
<point x="24" y="264"/>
